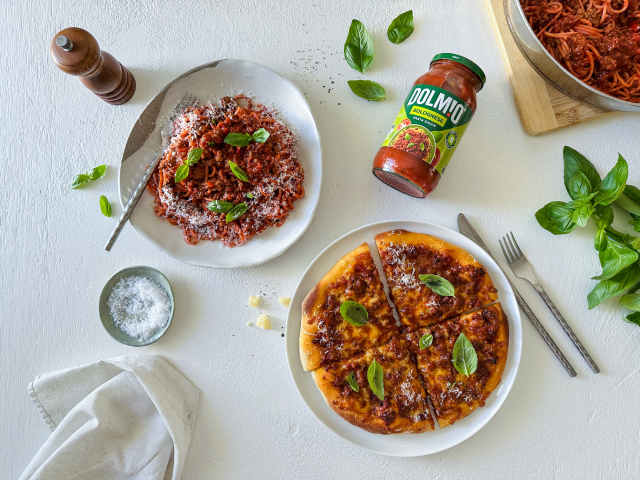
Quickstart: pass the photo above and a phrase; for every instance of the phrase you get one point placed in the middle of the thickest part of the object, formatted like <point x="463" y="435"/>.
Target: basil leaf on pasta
<point x="238" y="172"/>
<point x="367" y="89"/>
<point x="260" y="135"/>
<point x="375" y="376"/>
<point x="353" y="383"/>
<point x="438" y="285"/>
<point x="425" y="341"/>
<point x="236" y="212"/>
<point x="181" y="173"/>
<point x="354" y="313"/>
<point x="219" y="206"/>
<point x="238" y="139"/>
<point x="105" y="206"/>
<point x="194" y="155"/>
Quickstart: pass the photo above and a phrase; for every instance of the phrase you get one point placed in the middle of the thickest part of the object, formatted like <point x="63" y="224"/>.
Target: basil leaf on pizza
<point x="438" y="285"/>
<point x="464" y="358"/>
<point x="425" y="341"/>
<point x="354" y="313"/>
<point x="353" y="382"/>
<point x="375" y="376"/>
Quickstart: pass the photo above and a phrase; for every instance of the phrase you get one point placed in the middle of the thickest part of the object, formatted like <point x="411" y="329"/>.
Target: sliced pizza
<point x="461" y="360"/>
<point x="346" y="313"/>
<point x="378" y="391"/>
<point x="407" y="256"/>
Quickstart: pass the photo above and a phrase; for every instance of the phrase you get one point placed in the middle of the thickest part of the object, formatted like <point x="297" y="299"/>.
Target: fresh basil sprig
<point x="367" y="89"/>
<point x="425" y="341"/>
<point x="238" y="172"/>
<point x="358" y="48"/>
<point x="464" y="356"/>
<point x="182" y="171"/>
<point x="353" y="383"/>
<point x="219" y="206"/>
<point x="236" y="212"/>
<point x="354" y="313"/>
<point x="591" y="198"/>
<point x="90" y="176"/>
<point x="401" y="27"/>
<point x="260" y="135"/>
<point x="105" y="206"/>
<point x="238" y="139"/>
<point x="375" y="377"/>
<point x="438" y="285"/>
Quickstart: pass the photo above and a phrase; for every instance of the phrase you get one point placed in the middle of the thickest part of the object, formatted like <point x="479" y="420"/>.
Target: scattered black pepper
<point x="283" y="334"/>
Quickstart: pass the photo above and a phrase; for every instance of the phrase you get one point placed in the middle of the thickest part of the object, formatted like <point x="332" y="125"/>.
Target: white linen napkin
<point x="121" y="418"/>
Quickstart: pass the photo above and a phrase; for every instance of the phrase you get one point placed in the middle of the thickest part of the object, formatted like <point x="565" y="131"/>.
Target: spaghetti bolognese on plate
<point x="245" y="199"/>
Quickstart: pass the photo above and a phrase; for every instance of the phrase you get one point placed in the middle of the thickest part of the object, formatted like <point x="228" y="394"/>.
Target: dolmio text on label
<point x="429" y="125"/>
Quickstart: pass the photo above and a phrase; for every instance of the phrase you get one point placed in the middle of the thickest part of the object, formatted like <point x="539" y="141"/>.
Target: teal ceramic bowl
<point x="107" y="320"/>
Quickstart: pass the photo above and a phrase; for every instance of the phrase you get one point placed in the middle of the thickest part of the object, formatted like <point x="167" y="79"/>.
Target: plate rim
<point x="293" y="351"/>
<point x="160" y="96"/>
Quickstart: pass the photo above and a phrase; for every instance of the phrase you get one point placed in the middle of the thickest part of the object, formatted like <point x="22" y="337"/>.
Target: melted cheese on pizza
<point x="406" y="255"/>
<point x="325" y="336"/>
<point x="404" y="408"/>
<point x="454" y="395"/>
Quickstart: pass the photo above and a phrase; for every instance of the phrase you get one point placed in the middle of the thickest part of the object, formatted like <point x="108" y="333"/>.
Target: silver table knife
<point x="468" y="231"/>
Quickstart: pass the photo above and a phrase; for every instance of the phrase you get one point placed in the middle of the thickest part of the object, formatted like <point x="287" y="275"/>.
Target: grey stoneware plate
<point x="107" y="320"/>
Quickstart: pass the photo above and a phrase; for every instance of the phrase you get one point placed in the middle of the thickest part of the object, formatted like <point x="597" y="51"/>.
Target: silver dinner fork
<point x="185" y="102"/>
<point x="522" y="269"/>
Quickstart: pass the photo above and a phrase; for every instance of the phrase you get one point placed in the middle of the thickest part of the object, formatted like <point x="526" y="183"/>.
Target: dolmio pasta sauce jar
<point x="430" y="125"/>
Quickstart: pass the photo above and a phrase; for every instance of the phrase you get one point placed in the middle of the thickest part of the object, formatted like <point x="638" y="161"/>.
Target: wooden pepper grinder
<point x="76" y="52"/>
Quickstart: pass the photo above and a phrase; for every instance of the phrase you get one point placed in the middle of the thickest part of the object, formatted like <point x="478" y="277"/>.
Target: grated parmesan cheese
<point x="254" y="301"/>
<point x="263" y="322"/>
<point x="284" y="301"/>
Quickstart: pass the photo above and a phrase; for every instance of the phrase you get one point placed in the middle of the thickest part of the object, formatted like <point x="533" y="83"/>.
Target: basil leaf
<point x="633" y="318"/>
<point x="105" y="206"/>
<point x="630" y="199"/>
<point x="410" y="145"/>
<point x="358" y="48"/>
<point x="613" y="184"/>
<point x="579" y="186"/>
<point x="219" y="206"/>
<point x="194" y="155"/>
<point x="636" y="243"/>
<point x="249" y="195"/>
<point x="556" y="217"/>
<point x="606" y="215"/>
<point x="211" y="144"/>
<point x="600" y="241"/>
<point x="632" y="302"/>
<point x="407" y="137"/>
<point x="401" y="27"/>
<point x="182" y="172"/>
<point x="354" y="313"/>
<point x="614" y="286"/>
<point x="375" y="376"/>
<point x="576" y="162"/>
<point x="438" y="285"/>
<point x="97" y="172"/>
<point x="260" y="135"/>
<point x="238" y="172"/>
<point x="236" y="212"/>
<point x="614" y="258"/>
<point x="581" y="214"/>
<point x="353" y="383"/>
<point x="425" y="341"/>
<point x="79" y="180"/>
<point x="422" y="147"/>
<point x="367" y="89"/>
<point x="464" y="358"/>
<point x="238" y="139"/>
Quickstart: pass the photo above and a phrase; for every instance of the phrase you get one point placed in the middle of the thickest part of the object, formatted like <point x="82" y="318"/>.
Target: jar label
<point x="429" y="125"/>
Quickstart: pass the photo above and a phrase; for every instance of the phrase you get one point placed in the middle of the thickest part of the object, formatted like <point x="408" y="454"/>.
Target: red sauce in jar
<point x="429" y="125"/>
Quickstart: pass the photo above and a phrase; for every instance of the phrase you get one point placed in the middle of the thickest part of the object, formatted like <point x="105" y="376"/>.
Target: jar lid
<point x="464" y="61"/>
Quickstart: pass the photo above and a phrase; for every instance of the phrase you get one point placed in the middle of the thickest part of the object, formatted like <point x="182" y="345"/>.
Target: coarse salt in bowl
<point x="136" y="306"/>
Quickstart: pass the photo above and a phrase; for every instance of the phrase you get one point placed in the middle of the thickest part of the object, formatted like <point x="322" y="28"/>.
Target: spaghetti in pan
<point x="260" y="181"/>
<point x="598" y="41"/>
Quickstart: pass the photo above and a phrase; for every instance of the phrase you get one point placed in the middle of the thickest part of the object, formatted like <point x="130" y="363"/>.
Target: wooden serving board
<point x="542" y="107"/>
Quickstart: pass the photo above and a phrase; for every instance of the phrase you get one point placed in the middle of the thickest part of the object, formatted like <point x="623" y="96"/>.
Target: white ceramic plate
<point x="209" y="83"/>
<point x="414" y="444"/>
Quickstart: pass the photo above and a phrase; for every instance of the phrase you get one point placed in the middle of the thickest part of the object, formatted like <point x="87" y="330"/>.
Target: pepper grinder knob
<point x="76" y="52"/>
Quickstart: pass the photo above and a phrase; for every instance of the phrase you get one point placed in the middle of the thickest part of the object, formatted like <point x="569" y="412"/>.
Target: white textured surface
<point x="251" y="422"/>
